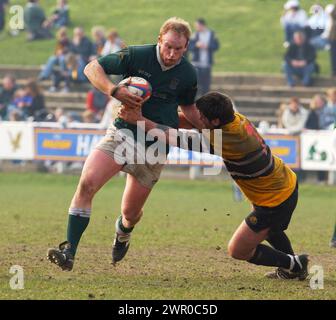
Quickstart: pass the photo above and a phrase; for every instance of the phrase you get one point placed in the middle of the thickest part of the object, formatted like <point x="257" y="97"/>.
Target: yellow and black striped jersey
<point x="262" y="177"/>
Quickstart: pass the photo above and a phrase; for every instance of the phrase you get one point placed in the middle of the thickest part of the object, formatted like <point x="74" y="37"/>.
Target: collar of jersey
<point x="163" y="67"/>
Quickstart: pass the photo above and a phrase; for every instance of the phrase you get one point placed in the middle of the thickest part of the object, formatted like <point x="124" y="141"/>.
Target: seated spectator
<point x="96" y="102"/>
<point x="71" y="73"/>
<point x="294" y="19"/>
<point x="89" y="117"/>
<point x="60" y="16"/>
<point x="83" y="48"/>
<point x="60" y="116"/>
<point x="300" y="60"/>
<point x="316" y="121"/>
<point x="294" y="117"/>
<point x="279" y="113"/>
<point x="6" y="94"/>
<point x="21" y="101"/>
<point x="313" y="119"/>
<point x="34" y="19"/>
<point x="331" y="98"/>
<point x="58" y="59"/>
<point x="98" y="36"/>
<point x="36" y="109"/>
<point x="113" y="43"/>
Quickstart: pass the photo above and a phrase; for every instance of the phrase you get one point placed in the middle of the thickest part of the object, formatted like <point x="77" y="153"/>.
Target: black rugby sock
<point x="267" y="256"/>
<point x="280" y="241"/>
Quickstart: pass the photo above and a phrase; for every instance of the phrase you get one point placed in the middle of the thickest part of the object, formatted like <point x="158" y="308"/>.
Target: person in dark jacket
<point x="300" y="60"/>
<point x="7" y="91"/>
<point x="202" y="46"/>
<point x="37" y="108"/>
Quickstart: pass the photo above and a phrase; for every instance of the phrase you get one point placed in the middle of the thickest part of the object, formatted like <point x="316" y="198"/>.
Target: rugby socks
<point x="267" y="256"/>
<point x="120" y="229"/>
<point x="280" y="241"/>
<point x="77" y="223"/>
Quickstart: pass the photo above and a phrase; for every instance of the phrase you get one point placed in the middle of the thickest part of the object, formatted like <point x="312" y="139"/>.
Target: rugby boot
<point x="120" y="247"/>
<point x="61" y="256"/>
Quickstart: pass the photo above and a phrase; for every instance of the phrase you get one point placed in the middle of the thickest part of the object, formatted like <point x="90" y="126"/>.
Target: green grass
<point x="178" y="250"/>
<point x="249" y="31"/>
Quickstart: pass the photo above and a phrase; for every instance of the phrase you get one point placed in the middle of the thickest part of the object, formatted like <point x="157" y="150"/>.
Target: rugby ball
<point x="138" y="86"/>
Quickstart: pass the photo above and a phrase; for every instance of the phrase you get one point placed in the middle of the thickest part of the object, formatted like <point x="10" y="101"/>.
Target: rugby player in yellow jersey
<point x="269" y="184"/>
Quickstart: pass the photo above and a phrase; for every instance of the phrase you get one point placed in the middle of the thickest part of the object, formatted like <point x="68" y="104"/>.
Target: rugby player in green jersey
<point x="174" y="83"/>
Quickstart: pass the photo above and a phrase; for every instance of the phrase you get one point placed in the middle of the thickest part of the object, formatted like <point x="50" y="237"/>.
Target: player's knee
<point x="235" y="252"/>
<point x="131" y="215"/>
<point x="87" y="188"/>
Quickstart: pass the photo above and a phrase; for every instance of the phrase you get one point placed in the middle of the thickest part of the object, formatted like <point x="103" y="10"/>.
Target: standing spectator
<point x="58" y="59"/>
<point x="294" y="19"/>
<point x="60" y="16"/>
<point x="316" y="22"/>
<point x="99" y="39"/>
<point x="300" y="60"/>
<point x="294" y="117"/>
<point x="6" y="94"/>
<point x="113" y="43"/>
<point x="332" y="41"/>
<point x="2" y="14"/>
<point x="202" y="46"/>
<point x="34" y="19"/>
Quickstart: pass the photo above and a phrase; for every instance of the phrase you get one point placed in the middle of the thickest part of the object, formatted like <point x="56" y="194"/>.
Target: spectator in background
<point x="300" y="60"/>
<point x="3" y="3"/>
<point x="321" y="41"/>
<point x="313" y="120"/>
<point x="58" y="59"/>
<point x="60" y="17"/>
<point x="34" y="19"/>
<point x="294" y="19"/>
<point x="317" y="121"/>
<point x="316" y="22"/>
<point x="279" y="114"/>
<point x="72" y="72"/>
<point x="89" y="117"/>
<point x="20" y="102"/>
<point x="332" y="41"/>
<point x="83" y="48"/>
<point x="98" y="36"/>
<point x="202" y="46"/>
<point x="7" y="91"/>
<point x="96" y="102"/>
<point x="113" y="43"/>
<point x="36" y="109"/>
<point x="294" y="116"/>
<point x="331" y="98"/>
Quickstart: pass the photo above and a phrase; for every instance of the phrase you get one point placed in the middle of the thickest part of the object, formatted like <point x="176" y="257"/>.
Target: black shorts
<point x="276" y="218"/>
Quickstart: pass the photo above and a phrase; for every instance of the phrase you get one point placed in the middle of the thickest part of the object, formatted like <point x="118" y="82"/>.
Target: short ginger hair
<point x="177" y="25"/>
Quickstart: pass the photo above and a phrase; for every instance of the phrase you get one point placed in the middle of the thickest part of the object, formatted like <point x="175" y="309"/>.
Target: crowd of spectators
<point x="303" y="36"/>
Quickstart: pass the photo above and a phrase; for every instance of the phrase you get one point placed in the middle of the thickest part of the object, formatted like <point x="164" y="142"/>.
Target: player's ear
<point x="216" y="122"/>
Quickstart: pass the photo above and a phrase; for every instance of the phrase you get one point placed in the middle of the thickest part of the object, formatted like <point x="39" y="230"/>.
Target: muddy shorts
<point x="124" y="151"/>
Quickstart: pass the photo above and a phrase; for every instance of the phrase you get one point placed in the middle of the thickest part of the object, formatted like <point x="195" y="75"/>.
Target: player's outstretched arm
<point x="192" y="115"/>
<point x="189" y="139"/>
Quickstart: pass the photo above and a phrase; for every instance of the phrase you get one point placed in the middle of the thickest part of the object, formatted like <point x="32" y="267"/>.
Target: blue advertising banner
<point x="75" y="145"/>
<point x="65" y="144"/>
<point x="286" y="148"/>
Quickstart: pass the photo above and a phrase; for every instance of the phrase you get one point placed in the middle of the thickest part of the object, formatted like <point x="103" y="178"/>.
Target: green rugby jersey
<point x="170" y="88"/>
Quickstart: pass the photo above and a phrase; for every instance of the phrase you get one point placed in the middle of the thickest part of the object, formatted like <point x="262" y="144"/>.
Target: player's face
<point x="172" y="47"/>
<point x="208" y="124"/>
